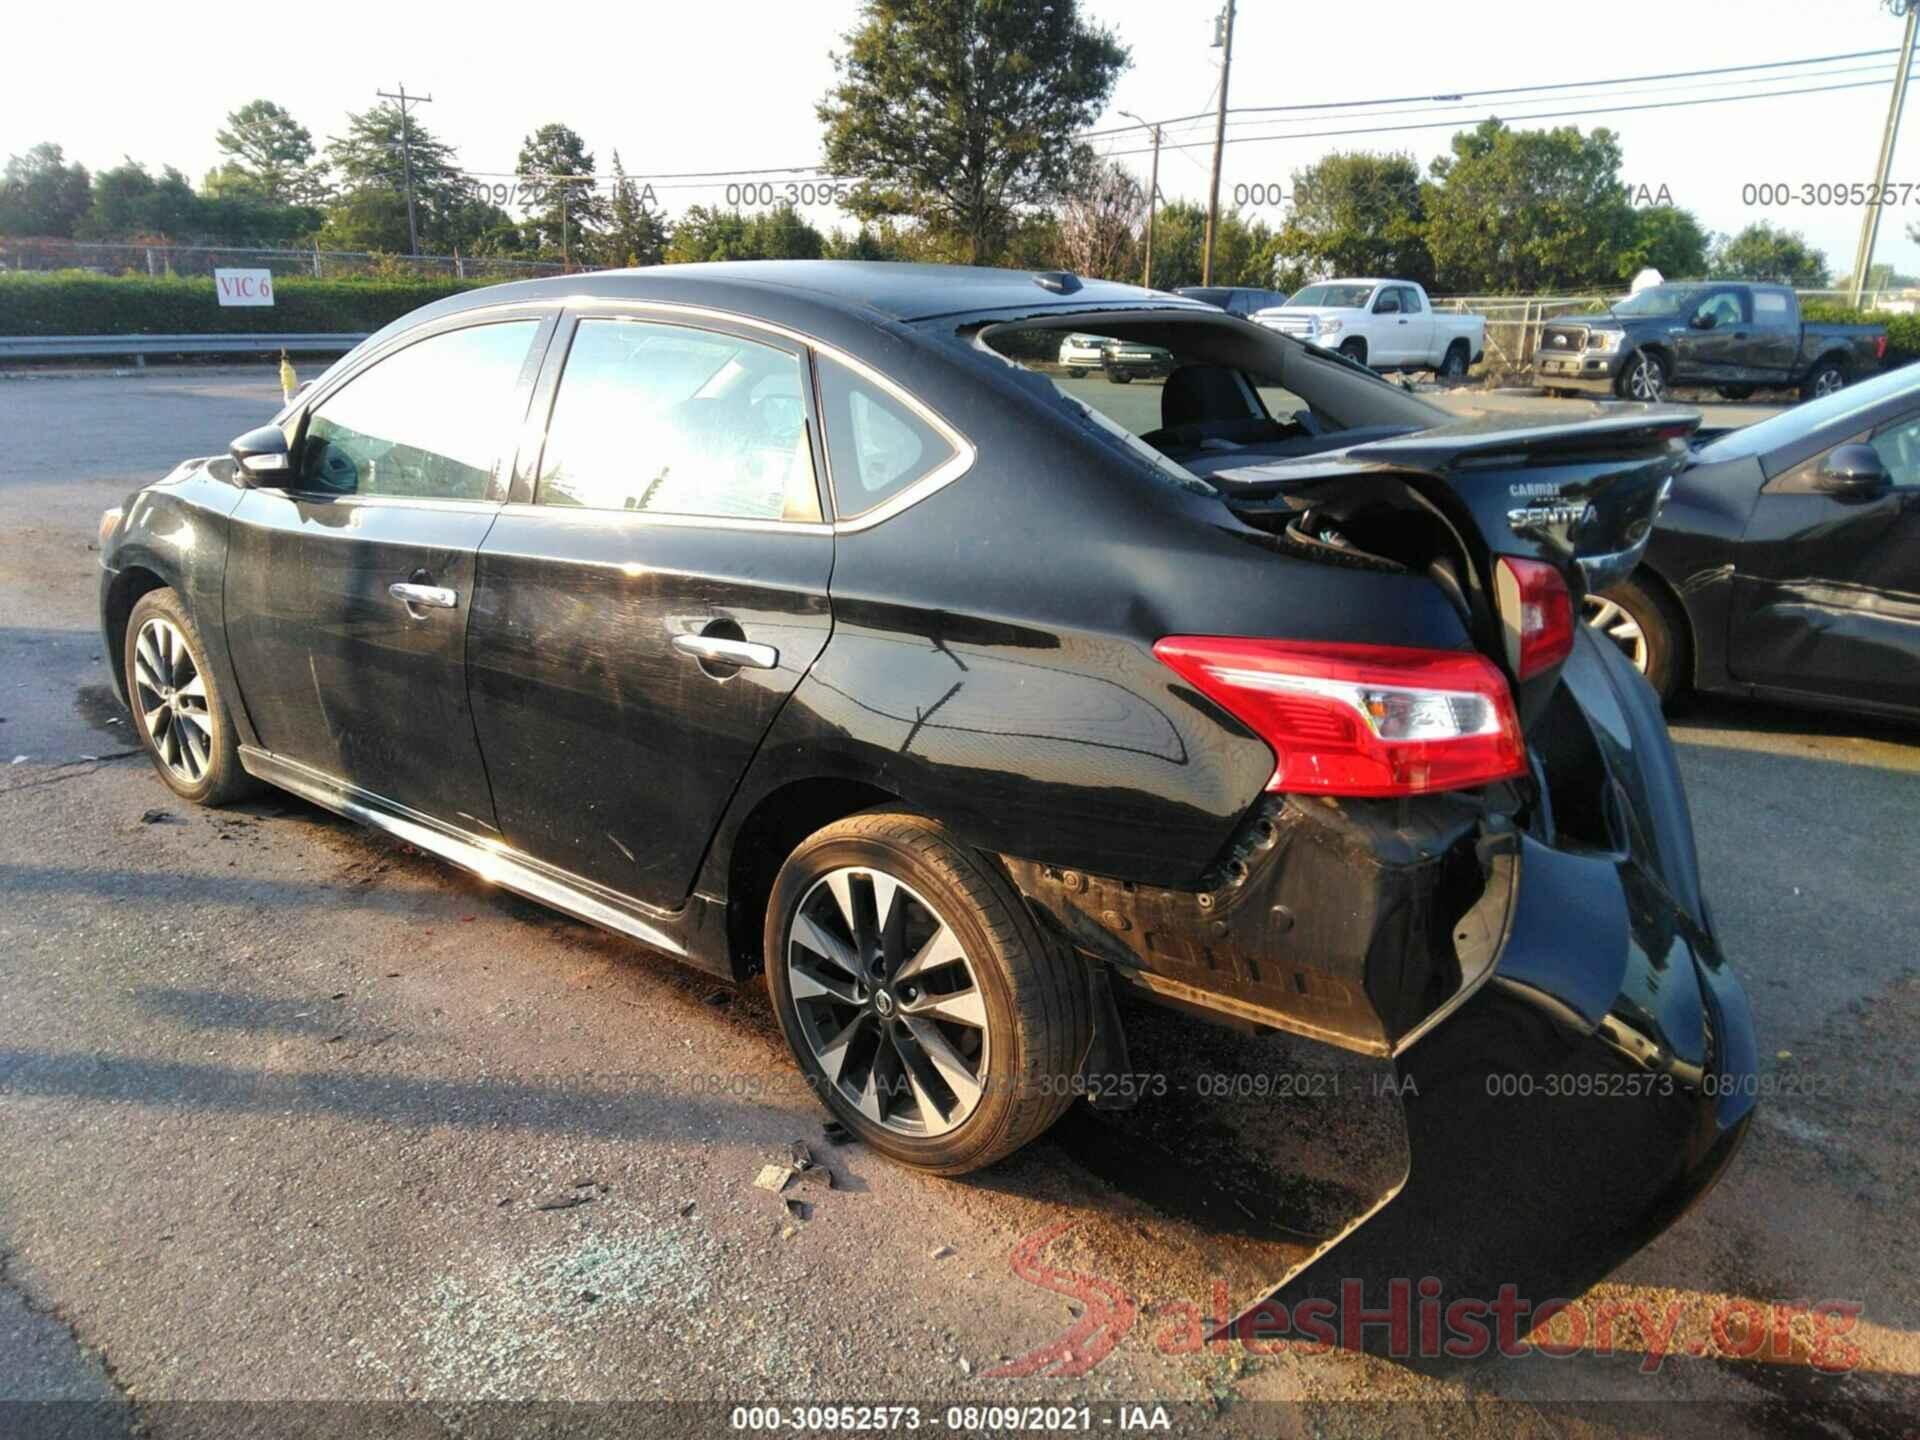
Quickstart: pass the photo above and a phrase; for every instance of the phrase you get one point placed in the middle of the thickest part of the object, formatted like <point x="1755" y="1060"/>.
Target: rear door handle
<point x="716" y="650"/>
<point x="433" y="597"/>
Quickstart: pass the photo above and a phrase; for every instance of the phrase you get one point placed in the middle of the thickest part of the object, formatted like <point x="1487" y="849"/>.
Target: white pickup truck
<point x="1387" y="324"/>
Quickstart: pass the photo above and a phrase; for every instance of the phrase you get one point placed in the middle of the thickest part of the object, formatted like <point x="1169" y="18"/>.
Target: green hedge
<point x="81" y="303"/>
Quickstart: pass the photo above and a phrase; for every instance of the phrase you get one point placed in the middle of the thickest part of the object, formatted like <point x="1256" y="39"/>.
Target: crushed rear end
<point x="1532" y="954"/>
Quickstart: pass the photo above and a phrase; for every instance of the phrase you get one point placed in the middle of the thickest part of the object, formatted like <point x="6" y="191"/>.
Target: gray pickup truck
<point x="1730" y="335"/>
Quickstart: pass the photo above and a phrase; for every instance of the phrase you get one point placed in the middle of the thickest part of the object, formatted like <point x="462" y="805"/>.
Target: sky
<point x="732" y="85"/>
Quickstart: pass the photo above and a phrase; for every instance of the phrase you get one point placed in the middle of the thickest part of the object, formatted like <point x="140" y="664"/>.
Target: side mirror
<point x="1706" y="320"/>
<point x="262" y="458"/>
<point x="1854" y="471"/>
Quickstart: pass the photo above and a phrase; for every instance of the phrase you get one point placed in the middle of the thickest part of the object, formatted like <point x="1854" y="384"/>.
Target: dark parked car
<point x="769" y="614"/>
<point x="1732" y="336"/>
<point x="1787" y="563"/>
<point x="1241" y="300"/>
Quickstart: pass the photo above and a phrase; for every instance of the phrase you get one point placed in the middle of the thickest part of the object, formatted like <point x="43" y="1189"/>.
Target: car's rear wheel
<point x="1639" y="621"/>
<point x="922" y="1002"/>
<point x="179" y="712"/>
<point x="1827" y="377"/>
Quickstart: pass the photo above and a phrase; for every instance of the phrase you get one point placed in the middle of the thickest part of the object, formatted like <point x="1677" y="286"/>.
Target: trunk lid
<point x="1580" y="495"/>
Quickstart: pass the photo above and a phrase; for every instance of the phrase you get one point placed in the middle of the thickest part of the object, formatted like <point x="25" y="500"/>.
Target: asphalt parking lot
<point x="290" y="1112"/>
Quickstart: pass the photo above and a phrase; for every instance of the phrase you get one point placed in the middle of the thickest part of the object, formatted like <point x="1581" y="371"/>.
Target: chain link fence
<point x="135" y="259"/>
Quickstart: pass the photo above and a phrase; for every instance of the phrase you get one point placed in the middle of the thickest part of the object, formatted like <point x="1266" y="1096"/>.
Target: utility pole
<point x="1870" y="222"/>
<point x="406" y="155"/>
<point x="1153" y="196"/>
<point x="1223" y="37"/>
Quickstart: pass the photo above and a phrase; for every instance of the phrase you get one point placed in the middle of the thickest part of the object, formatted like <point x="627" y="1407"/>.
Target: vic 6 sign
<point x="243" y="287"/>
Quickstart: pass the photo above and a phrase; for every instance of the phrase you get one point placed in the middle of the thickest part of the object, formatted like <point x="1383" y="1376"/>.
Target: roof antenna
<point x="1060" y="282"/>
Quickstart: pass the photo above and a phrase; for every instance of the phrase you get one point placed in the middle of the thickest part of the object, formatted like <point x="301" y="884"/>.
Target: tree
<point x="41" y="194"/>
<point x="1761" y="252"/>
<point x="370" y="162"/>
<point x="270" y="154"/>
<point x="1243" y="250"/>
<point x="959" y="114"/>
<point x="1100" y="220"/>
<point x="129" y="203"/>
<point x="1668" y="239"/>
<point x="705" y="233"/>
<point x="1514" y="211"/>
<point x="564" y="216"/>
<point x="1356" y="213"/>
<point x="636" y="233"/>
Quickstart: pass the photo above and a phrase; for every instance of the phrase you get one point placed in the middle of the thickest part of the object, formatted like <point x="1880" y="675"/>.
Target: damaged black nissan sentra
<point x="789" y="617"/>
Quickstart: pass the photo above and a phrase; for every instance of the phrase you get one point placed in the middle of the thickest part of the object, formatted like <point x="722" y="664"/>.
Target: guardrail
<point x="108" y="347"/>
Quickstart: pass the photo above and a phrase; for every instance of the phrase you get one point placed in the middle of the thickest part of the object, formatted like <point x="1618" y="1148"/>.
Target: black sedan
<point x="777" y="616"/>
<point x="1787" y="563"/>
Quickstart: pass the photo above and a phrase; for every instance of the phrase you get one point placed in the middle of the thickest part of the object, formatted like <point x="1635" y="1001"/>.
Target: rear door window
<point x="666" y="419"/>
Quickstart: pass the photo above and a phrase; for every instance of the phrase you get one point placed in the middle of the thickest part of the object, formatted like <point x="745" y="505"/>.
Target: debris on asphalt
<point x="334" y="1039"/>
<point x="940" y="1252"/>
<point x="19" y="759"/>
<point x="799" y="1209"/>
<point x="338" y="995"/>
<point x="503" y="1202"/>
<point x="686" y="1209"/>
<point x="149" y="817"/>
<point x="585" y="1183"/>
<point x="564" y="1202"/>
<point x="772" y="1178"/>
<point x="587" y="1297"/>
<point x="719" y="998"/>
<point x="799" y="1156"/>
<point x="836" y="1133"/>
<point x="787" y="1232"/>
<point x="816" y="1175"/>
<point x="966" y="1366"/>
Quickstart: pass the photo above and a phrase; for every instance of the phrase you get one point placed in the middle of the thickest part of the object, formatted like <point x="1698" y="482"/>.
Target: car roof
<point x="891" y="289"/>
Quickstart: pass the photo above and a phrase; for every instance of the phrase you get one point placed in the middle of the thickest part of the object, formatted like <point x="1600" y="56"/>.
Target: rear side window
<point x="877" y="444"/>
<point x="670" y="420"/>
<point x="426" y="422"/>
<point x="1769" y="305"/>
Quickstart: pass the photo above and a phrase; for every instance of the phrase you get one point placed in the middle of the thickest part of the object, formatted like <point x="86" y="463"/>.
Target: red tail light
<point x="1539" y="616"/>
<point x="1879" y="347"/>
<point x="1361" y="719"/>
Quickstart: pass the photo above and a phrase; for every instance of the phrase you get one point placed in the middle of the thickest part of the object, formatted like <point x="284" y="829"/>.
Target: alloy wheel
<point x="1612" y="620"/>
<point x="1645" y="382"/>
<point x="888" y="1002"/>
<point x="1828" y="381"/>
<point x="171" y="695"/>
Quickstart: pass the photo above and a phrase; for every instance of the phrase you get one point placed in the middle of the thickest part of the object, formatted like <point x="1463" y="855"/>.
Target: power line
<point x="1461" y="124"/>
<point x="1508" y="89"/>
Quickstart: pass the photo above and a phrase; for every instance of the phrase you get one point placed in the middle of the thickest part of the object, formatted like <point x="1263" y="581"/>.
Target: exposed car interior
<point x="1236" y="393"/>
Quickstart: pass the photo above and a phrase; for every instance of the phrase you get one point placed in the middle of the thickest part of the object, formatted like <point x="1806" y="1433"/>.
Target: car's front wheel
<point x="1639" y="621"/>
<point x="179" y="712"/>
<point x="1454" y="365"/>
<point x="1644" y="379"/>
<point x="923" y="1003"/>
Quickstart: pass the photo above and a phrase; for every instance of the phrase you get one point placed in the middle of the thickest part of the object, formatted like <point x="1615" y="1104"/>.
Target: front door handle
<point x="717" y="650"/>
<point x="434" y="597"/>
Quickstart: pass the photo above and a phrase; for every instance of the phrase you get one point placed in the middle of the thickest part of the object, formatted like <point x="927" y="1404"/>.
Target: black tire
<point x="1119" y="377"/>
<point x="1827" y="376"/>
<point x="1669" y="654"/>
<point x="1453" y="365"/>
<point x="1037" y="1010"/>
<point x="1078" y="372"/>
<point x="206" y="768"/>
<point x="1656" y="370"/>
<point x="1735" y="392"/>
<point x="1355" y="350"/>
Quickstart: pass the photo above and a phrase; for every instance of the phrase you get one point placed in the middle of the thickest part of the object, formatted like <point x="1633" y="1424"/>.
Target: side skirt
<point x="489" y="859"/>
